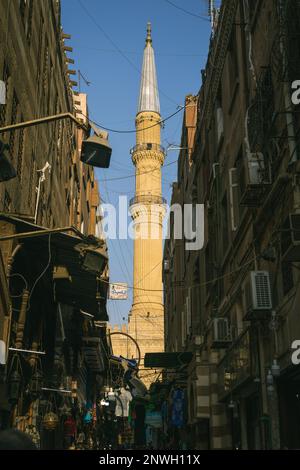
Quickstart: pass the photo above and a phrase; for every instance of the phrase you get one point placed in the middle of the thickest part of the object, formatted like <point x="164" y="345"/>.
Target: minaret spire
<point x="149" y="98"/>
<point x="146" y="320"/>
<point x="148" y="38"/>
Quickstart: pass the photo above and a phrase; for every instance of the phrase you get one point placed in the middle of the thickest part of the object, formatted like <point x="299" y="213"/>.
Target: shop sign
<point x="118" y="291"/>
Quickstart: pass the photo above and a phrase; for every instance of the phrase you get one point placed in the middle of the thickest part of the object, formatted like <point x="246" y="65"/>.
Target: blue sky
<point x="108" y="39"/>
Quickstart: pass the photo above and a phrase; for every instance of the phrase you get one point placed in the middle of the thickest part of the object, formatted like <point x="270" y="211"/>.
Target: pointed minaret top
<point x="149" y="99"/>
<point x="148" y="38"/>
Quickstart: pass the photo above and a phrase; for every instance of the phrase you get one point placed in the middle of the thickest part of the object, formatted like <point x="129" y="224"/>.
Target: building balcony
<point x="147" y="199"/>
<point x="149" y="146"/>
<point x="239" y="365"/>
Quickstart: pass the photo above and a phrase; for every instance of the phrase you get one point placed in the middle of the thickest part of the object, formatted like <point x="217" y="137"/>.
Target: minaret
<point x="146" y="319"/>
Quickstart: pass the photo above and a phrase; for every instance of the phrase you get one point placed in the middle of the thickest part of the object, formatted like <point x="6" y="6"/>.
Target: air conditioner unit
<point x="257" y="294"/>
<point x="256" y="180"/>
<point x="221" y="333"/>
<point x="256" y="168"/>
<point x="290" y="238"/>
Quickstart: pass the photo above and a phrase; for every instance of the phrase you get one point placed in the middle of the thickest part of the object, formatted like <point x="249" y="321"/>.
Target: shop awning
<point x="167" y="360"/>
<point x="82" y="291"/>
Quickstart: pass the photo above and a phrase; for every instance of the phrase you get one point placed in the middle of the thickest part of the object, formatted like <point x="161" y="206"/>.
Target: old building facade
<point x="48" y="298"/>
<point x="243" y="286"/>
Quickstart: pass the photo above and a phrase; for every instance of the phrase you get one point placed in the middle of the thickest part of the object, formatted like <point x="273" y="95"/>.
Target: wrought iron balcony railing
<point x="147" y="199"/>
<point x="240" y="363"/>
<point x="149" y="146"/>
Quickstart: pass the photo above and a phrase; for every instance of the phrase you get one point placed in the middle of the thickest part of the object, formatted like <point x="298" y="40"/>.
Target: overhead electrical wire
<point x="134" y="131"/>
<point x="201" y="17"/>
<point x="133" y="175"/>
<point x="117" y="47"/>
<point x="164" y="54"/>
<point x="201" y="284"/>
<point x="42" y="273"/>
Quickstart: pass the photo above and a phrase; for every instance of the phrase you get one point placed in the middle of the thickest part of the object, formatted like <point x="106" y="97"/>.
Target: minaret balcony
<point x="147" y="199"/>
<point x="149" y="146"/>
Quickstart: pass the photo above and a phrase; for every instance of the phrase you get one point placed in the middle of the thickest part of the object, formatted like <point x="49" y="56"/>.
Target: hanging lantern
<point x="65" y="410"/>
<point x="50" y="421"/>
<point x="14" y="387"/>
<point x="36" y="383"/>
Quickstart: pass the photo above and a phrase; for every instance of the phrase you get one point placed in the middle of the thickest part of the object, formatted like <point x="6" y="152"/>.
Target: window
<point x="261" y="111"/>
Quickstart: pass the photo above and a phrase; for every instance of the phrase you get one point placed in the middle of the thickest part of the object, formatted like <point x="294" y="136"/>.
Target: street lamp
<point x="95" y="151"/>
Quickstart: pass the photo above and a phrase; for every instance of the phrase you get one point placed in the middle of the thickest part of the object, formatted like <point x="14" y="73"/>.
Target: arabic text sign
<point x="118" y="291"/>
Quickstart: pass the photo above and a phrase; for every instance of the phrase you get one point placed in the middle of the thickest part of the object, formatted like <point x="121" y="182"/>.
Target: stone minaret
<point x="146" y="319"/>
